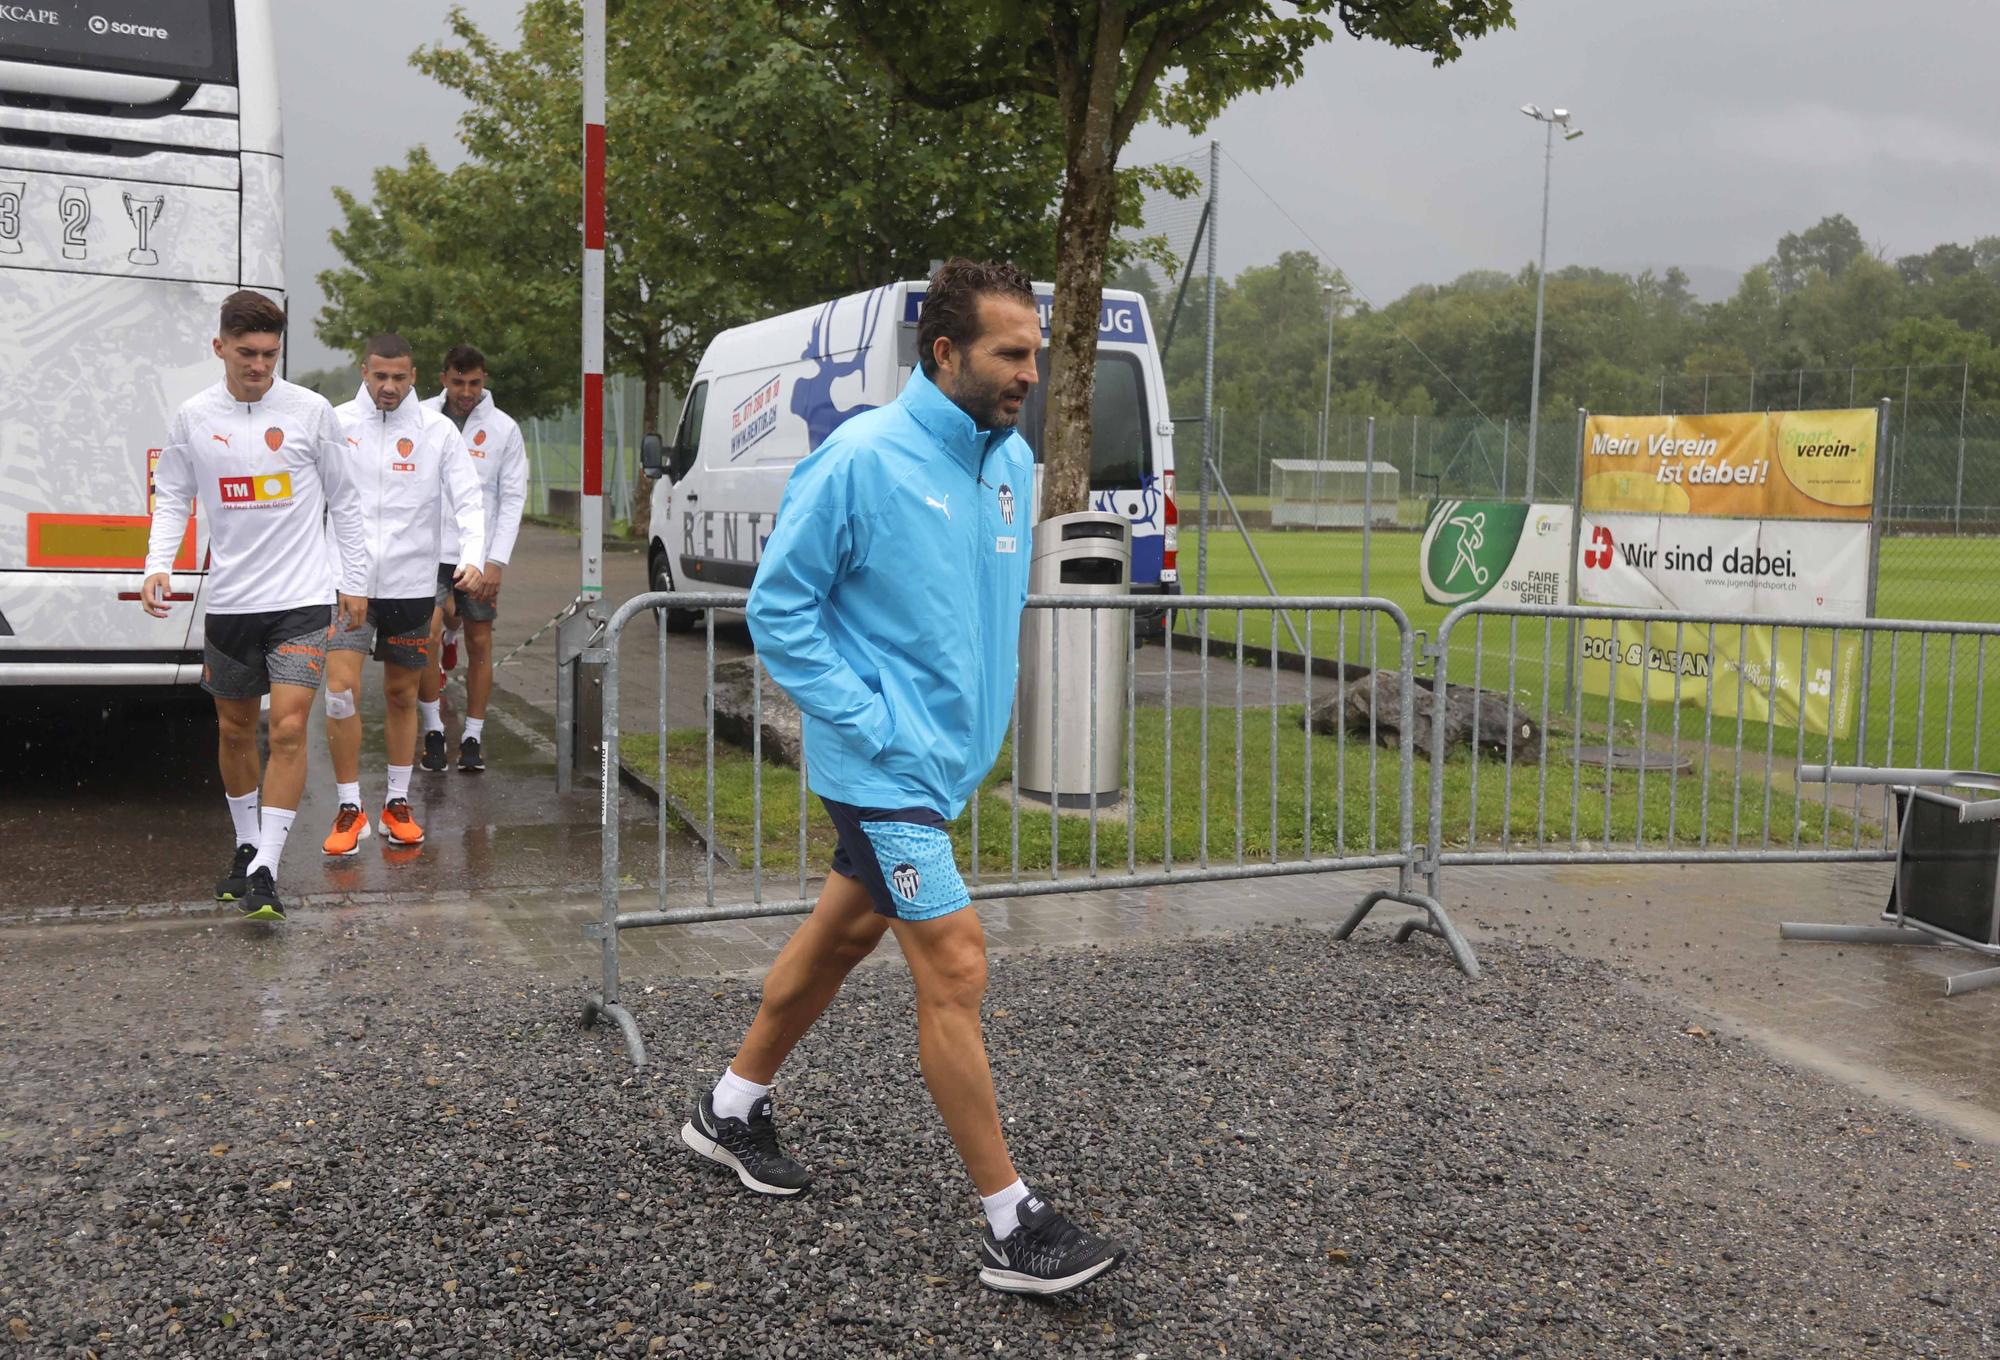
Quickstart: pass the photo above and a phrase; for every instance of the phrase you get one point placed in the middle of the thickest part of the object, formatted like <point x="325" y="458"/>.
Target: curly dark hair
<point x="951" y="306"/>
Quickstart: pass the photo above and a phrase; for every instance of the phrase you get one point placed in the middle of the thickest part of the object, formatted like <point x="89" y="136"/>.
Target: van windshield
<point x="1118" y="445"/>
<point x="178" y="39"/>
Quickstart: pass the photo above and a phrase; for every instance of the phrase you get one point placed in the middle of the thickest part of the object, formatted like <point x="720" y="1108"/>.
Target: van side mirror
<point x="653" y="455"/>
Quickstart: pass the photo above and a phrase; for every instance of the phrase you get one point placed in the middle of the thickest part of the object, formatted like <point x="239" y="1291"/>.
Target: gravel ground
<point x="366" y="1143"/>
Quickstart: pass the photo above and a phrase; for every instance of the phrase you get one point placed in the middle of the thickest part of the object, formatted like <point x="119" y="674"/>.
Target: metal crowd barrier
<point x="1176" y="864"/>
<point x="1733" y="755"/>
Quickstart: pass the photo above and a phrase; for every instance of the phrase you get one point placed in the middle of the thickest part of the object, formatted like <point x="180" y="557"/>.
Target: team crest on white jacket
<point x="1006" y="503"/>
<point x="907" y="881"/>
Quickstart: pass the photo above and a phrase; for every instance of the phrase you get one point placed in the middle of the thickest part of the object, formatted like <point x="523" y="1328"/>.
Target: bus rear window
<point x="177" y="39"/>
<point x="1118" y="448"/>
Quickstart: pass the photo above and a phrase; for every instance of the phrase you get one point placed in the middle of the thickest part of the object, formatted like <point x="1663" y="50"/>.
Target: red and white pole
<point x="593" y="301"/>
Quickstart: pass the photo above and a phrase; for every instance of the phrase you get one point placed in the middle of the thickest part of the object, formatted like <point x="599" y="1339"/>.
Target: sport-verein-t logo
<point x="907" y="881"/>
<point x="403" y="447"/>
<point x="1006" y="503"/>
<point x="479" y="437"/>
<point x="274" y="439"/>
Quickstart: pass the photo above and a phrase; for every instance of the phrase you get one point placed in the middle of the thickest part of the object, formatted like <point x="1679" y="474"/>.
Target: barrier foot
<point x="1437" y="922"/>
<point x="1961" y="983"/>
<point x="596" y="1009"/>
<point x="1832" y="934"/>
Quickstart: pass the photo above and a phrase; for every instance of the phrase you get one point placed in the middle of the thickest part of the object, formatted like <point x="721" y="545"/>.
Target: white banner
<point x="1760" y="568"/>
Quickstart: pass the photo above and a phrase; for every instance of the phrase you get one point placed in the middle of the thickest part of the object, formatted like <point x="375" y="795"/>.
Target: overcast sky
<point x="1712" y="128"/>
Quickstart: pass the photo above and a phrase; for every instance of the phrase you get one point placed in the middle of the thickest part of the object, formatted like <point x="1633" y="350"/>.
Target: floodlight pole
<point x="1551" y="118"/>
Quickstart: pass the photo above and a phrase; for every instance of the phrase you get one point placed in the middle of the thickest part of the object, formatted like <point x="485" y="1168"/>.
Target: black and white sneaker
<point x="232" y="885"/>
<point x="434" y="757"/>
<point x="261" y="902"/>
<point x="749" y="1147"/>
<point x="469" y="759"/>
<point x="1046" y="1254"/>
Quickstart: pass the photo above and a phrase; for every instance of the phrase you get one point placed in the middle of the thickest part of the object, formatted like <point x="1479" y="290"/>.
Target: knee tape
<point x="340" y="703"/>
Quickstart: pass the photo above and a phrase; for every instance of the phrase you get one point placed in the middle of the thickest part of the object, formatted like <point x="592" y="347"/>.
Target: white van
<point x="765" y="395"/>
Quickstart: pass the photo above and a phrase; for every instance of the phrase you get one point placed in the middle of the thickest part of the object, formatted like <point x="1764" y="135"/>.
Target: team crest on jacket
<point x="906" y="880"/>
<point x="1006" y="503"/>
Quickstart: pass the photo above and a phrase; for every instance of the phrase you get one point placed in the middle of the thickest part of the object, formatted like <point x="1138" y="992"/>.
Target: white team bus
<point x="766" y="394"/>
<point x="141" y="182"/>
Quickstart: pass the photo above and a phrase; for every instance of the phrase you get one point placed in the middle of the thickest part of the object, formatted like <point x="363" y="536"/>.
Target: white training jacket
<point x="265" y="473"/>
<point x="403" y="464"/>
<point x="501" y="460"/>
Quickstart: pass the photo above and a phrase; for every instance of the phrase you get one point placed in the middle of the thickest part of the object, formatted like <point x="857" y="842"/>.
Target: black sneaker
<point x="1046" y="1254"/>
<point x="434" y="760"/>
<point x="749" y="1147"/>
<point x="261" y="903"/>
<point x="232" y="885"/>
<point x="469" y="759"/>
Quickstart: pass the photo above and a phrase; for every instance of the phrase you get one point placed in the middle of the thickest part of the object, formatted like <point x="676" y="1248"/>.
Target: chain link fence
<point x="1941" y="479"/>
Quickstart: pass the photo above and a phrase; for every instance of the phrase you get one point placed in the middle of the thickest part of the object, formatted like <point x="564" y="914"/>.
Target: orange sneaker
<point x="350" y="828"/>
<point x="398" y="825"/>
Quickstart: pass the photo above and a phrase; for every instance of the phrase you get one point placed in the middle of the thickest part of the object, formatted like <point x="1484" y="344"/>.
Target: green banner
<point x="1500" y="551"/>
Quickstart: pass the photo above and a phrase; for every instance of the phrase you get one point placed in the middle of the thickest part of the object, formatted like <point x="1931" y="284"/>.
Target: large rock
<point x="1380" y="694"/>
<point x="734" y="721"/>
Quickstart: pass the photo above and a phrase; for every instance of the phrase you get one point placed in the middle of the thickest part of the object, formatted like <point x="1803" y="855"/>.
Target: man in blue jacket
<point x="888" y="605"/>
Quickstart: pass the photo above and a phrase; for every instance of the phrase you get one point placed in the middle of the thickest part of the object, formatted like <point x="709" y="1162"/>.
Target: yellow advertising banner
<point x="1749" y="670"/>
<point x="1752" y="465"/>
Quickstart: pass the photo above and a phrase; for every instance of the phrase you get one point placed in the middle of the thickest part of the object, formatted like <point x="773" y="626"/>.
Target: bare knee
<point x="288" y="732"/>
<point x="851" y="948"/>
<point x="236" y="731"/>
<point x="956" y="979"/>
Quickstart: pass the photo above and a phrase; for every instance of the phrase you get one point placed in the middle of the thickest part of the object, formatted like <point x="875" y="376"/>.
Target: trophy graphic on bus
<point x="144" y="212"/>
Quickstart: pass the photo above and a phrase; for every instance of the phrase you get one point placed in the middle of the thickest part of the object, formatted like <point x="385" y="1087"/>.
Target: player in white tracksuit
<point x="494" y="442"/>
<point x="263" y="460"/>
<point x="404" y="461"/>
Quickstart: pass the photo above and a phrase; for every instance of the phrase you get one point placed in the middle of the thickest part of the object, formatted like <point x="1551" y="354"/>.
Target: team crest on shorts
<point x="907" y="881"/>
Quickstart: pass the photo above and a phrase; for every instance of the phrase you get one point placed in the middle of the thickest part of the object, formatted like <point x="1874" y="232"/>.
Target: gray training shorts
<point x="397" y="631"/>
<point x="243" y="655"/>
<point x="469" y="610"/>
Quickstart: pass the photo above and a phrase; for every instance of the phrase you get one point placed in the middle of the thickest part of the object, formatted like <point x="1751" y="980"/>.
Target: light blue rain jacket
<point x="888" y="600"/>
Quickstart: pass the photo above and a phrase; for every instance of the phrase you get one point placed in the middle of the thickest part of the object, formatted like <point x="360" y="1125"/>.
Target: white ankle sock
<point x="735" y="1098"/>
<point x="348" y="793"/>
<point x="474" y="727"/>
<point x="1003" y="1209"/>
<point x="276" y="824"/>
<point x="433" y="714"/>
<point x="243" y="814"/>
<point x="399" y="783"/>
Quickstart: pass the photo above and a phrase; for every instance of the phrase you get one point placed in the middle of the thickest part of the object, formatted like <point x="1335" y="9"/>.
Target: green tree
<point x="1106" y="66"/>
<point x="749" y="169"/>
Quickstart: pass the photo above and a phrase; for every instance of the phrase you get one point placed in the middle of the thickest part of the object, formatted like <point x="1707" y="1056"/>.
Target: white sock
<point x="1003" y="1209"/>
<point x="473" y="728"/>
<point x="243" y="813"/>
<point x="735" y="1097"/>
<point x="451" y="635"/>
<point x="348" y="793"/>
<point x="399" y="783"/>
<point x="433" y="717"/>
<point x="276" y="825"/>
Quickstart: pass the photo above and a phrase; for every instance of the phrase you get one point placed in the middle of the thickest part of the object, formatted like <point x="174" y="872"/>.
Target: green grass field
<point x="1926" y="700"/>
<point x="1353" y="808"/>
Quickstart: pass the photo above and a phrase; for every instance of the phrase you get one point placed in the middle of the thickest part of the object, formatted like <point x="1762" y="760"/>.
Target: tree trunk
<point x="1083" y="236"/>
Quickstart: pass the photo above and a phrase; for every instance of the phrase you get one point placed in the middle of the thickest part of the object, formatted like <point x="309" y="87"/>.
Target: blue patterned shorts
<point x="902" y="856"/>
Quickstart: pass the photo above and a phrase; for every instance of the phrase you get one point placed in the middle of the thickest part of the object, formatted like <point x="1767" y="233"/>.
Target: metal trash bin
<point x="1088" y="553"/>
